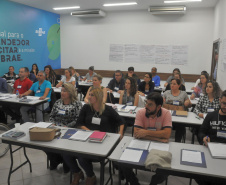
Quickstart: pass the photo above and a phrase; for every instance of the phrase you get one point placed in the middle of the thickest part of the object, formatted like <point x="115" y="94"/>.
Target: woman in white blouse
<point x="68" y="78"/>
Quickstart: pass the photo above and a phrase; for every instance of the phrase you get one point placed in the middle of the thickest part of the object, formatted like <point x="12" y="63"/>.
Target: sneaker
<point x="77" y="177"/>
<point x="91" y="180"/>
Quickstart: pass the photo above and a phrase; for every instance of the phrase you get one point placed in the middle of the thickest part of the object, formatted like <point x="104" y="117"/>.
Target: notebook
<point x="97" y="136"/>
<point x="14" y="134"/>
<point x="180" y="113"/>
<point x="217" y="150"/>
<point x="81" y="135"/>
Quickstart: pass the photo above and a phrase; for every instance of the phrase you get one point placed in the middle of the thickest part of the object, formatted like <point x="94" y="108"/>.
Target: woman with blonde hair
<point x="95" y="116"/>
<point x="97" y="80"/>
<point x="65" y="113"/>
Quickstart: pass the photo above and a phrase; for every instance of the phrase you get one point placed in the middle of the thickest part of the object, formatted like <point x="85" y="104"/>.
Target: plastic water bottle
<point x="17" y="94"/>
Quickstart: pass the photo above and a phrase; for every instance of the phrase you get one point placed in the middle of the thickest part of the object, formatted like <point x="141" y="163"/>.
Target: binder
<point x="97" y="136"/>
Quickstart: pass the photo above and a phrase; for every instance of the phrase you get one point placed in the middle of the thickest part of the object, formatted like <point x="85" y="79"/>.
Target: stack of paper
<point x="159" y="146"/>
<point x="139" y="144"/>
<point x="41" y="125"/>
<point x="81" y="135"/>
<point x="217" y="150"/>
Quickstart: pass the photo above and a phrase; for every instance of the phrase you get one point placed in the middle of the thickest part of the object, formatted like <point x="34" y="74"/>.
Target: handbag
<point x="43" y="134"/>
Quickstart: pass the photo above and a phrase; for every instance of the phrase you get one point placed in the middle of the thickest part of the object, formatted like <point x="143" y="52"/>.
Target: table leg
<point x="119" y="175"/>
<point x="11" y="165"/>
<point x="25" y="154"/>
<point x="102" y="172"/>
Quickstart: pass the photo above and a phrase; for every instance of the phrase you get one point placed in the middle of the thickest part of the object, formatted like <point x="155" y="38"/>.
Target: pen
<point x="197" y="117"/>
<point x="123" y="145"/>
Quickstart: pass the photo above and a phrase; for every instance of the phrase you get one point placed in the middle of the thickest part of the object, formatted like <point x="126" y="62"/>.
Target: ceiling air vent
<point x="89" y="13"/>
<point x="167" y="10"/>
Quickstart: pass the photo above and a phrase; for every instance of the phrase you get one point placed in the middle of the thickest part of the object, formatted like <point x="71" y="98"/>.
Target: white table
<point x="215" y="167"/>
<point x="98" y="151"/>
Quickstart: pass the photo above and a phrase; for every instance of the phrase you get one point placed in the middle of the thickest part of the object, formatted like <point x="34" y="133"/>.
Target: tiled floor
<point x="42" y="176"/>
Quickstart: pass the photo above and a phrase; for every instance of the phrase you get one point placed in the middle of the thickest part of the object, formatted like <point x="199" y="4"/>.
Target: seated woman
<point x="176" y="70"/>
<point x="50" y="75"/>
<point x="176" y="99"/>
<point x="147" y="86"/>
<point x="209" y="101"/>
<point x="204" y="78"/>
<point x="106" y="120"/>
<point x="97" y="80"/>
<point x="68" y="78"/>
<point x="176" y="76"/>
<point x="65" y="113"/>
<point x="198" y="80"/>
<point x="129" y="96"/>
<point x="75" y="75"/>
<point x="34" y="69"/>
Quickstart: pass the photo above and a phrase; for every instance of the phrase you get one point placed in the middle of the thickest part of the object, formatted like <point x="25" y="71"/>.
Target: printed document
<point x="131" y="155"/>
<point x="159" y="146"/>
<point x="191" y="156"/>
<point x="139" y="144"/>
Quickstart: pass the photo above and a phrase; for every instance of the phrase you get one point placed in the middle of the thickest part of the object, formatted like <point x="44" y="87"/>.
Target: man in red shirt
<point x="22" y="84"/>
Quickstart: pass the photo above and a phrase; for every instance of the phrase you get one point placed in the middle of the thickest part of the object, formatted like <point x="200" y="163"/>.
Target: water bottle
<point x="17" y="94"/>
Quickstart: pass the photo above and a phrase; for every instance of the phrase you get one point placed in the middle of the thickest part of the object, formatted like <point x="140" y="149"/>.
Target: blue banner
<point x="28" y="35"/>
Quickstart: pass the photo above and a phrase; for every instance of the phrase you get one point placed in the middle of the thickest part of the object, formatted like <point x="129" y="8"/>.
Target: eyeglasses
<point x="146" y="77"/>
<point x="91" y="94"/>
<point x="148" y="104"/>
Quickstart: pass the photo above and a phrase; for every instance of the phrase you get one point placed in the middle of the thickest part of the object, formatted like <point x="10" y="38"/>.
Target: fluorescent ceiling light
<point x="121" y="4"/>
<point x="182" y="1"/>
<point x="67" y="8"/>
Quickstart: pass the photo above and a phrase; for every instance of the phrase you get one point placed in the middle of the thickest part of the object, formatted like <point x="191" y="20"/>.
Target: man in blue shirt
<point x="155" y="78"/>
<point x="42" y="89"/>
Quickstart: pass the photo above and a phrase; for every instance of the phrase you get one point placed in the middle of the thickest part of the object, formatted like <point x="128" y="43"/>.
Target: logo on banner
<point x="40" y="32"/>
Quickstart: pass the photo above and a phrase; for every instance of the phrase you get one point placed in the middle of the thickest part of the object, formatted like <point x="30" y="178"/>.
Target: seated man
<point x="117" y="83"/>
<point x="155" y="77"/>
<point x="213" y="129"/>
<point x="132" y="74"/>
<point x="152" y="123"/>
<point x="31" y="76"/>
<point x="21" y="85"/>
<point x="3" y="86"/>
<point x="10" y="75"/>
<point x="42" y="88"/>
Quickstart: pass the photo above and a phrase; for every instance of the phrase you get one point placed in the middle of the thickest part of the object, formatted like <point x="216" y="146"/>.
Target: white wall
<point x="220" y="32"/>
<point x="85" y="42"/>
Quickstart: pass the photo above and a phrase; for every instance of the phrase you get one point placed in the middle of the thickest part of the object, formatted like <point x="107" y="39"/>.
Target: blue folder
<point x="142" y="158"/>
<point x="202" y="165"/>
<point x="69" y="133"/>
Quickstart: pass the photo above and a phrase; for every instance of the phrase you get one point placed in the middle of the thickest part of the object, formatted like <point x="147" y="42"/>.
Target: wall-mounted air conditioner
<point x="89" y="13"/>
<point x="167" y="9"/>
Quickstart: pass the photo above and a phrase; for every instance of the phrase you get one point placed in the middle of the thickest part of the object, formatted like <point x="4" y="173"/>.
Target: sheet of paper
<point x="81" y="135"/>
<point x="119" y="106"/>
<point x="217" y="149"/>
<point x="33" y="97"/>
<point x="41" y="125"/>
<point x="139" y="144"/>
<point x="4" y="97"/>
<point x="131" y="155"/>
<point x="116" y="95"/>
<point x="130" y="107"/>
<point x="159" y="146"/>
<point x="191" y="156"/>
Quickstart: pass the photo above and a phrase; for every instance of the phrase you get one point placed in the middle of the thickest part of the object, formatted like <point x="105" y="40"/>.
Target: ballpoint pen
<point x="123" y="145"/>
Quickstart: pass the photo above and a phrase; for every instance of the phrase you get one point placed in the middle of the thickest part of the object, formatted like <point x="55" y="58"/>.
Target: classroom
<point x="115" y="38"/>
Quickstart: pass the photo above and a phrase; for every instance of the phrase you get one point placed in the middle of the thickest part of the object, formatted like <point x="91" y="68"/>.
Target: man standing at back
<point x="155" y="77"/>
<point x="132" y="74"/>
<point x="42" y="89"/>
<point x="152" y="123"/>
<point x="117" y="83"/>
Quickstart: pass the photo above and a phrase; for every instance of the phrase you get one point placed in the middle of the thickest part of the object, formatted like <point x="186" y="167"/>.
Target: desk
<point x="14" y="100"/>
<point x="190" y="121"/>
<point x="215" y="167"/>
<point x="57" y="89"/>
<point x="84" y="83"/>
<point x="98" y="151"/>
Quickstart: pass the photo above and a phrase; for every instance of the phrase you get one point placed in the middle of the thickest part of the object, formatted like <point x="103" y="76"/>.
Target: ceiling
<point x="48" y="5"/>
